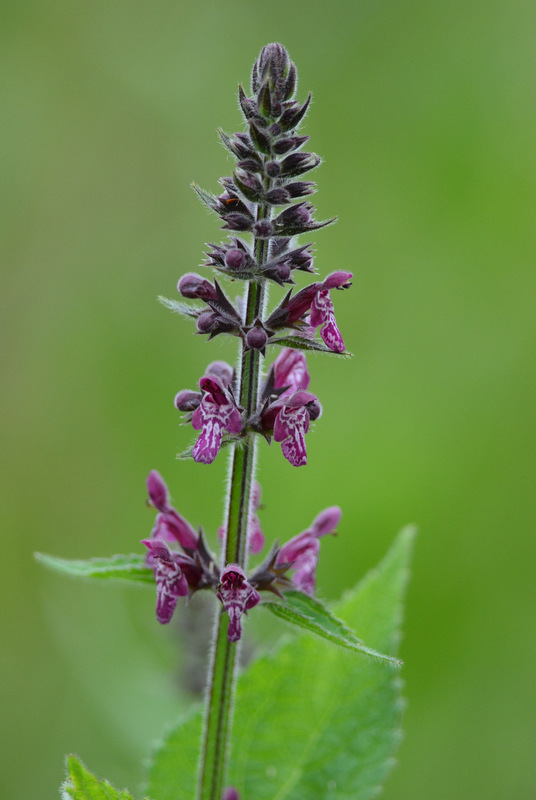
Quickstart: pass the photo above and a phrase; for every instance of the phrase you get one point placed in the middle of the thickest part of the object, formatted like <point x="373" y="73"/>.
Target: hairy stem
<point x="224" y="659"/>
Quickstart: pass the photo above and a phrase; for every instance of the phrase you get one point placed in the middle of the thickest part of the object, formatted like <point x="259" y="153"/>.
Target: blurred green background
<point x="425" y="114"/>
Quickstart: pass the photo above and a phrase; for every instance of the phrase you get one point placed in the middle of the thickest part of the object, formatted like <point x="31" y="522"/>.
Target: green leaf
<point x="179" y="308"/>
<point x="300" y="343"/>
<point x="125" y="568"/>
<point x="310" y="721"/>
<point x="82" y="785"/>
<point x="309" y="613"/>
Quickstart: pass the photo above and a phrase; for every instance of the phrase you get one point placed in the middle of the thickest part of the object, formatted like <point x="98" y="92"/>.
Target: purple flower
<point x="323" y="313"/>
<point x="289" y="417"/>
<point x="302" y="551"/>
<point x="237" y="596"/>
<point x="216" y="413"/>
<point x="169" y="525"/>
<point x="170" y="580"/>
<point x="290" y="371"/>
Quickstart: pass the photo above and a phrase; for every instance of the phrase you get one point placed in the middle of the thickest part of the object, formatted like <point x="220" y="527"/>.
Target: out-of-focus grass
<point x="425" y="116"/>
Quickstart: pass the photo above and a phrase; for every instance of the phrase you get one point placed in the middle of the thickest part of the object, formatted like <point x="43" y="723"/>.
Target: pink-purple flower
<point x="169" y="525"/>
<point x="302" y="551"/>
<point x="170" y="579"/>
<point x="323" y="313"/>
<point x="237" y="596"/>
<point x="216" y="413"/>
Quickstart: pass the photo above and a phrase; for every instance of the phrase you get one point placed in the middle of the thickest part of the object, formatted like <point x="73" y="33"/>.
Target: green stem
<point x="224" y="659"/>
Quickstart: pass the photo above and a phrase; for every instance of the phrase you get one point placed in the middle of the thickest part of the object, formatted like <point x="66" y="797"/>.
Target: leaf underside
<point x="124" y="568"/>
<point x="310" y="721"/>
<point x="300" y="343"/>
<point x="309" y="613"/>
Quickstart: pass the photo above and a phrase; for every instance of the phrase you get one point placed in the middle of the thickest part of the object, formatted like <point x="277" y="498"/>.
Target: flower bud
<point x="272" y="169"/>
<point x="263" y="229"/>
<point x="194" y="286"/>
<point x="234" y="258"/>
<point x="256" y="338"/>
<point x="157" y="489"/>
<point x="187" y="400"/>
<point x="326" y="521"/>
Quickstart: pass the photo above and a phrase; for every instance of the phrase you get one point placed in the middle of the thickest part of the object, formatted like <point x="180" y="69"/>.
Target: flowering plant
<point x="298" y="731"/>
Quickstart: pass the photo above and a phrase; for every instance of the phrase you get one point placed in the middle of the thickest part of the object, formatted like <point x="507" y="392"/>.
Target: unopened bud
<point x="256" y="338"/>
<point x="187" y="400"/>
<point x="234" y="258"/>
<point x="194" y="286"/>
<point x="157" y="489"/>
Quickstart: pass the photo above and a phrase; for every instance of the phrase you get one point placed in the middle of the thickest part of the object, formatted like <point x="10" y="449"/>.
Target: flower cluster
<point x="263" y="198"/>
<point x="182" y="564"/>
<point x="263" y="205"/>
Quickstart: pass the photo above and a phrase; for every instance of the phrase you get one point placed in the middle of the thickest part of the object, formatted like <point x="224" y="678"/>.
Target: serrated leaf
<point x="124" y="568"/>
<point x="300" y="343"/>
<point x="82" y="785"/>
<point x="179" y="308"/>
<point x="309" y="613"/>
<point x="309" y="721"/>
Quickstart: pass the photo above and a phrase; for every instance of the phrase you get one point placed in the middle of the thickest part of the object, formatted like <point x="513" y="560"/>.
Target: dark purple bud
<point x="187" y="400"/>
<point x="294" y="219"/>
<point x="194" y="286"/>
<point x="235" y="221"/>
<point x="256" y="338"/>
<point x="292" y="117"/>
<point x="272" y="169"/>
<point x="289" y="143"/>
<point x="250" y="165"/>
<point x="300" y="188"/>
<point x="207" y="322"/>
<point x="234" y="259"/>
<point x="273" y="63"/>
<point x="158" y="491"/>
<point x="281" y="273"/>
<point x="277" y="197"/>
<point x="298" y="163"/>
<point x="263" y="229"/>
